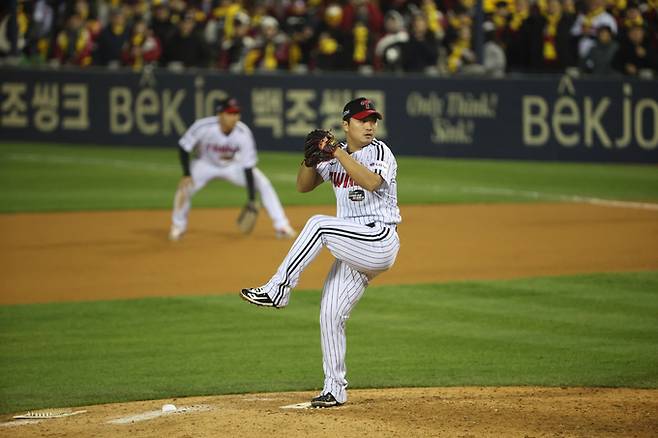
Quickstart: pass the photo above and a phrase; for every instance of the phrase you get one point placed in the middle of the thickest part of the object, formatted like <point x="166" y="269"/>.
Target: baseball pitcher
<point x="362" y="237"/>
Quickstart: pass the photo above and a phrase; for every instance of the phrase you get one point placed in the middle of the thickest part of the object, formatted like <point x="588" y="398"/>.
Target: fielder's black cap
<point x="228" y="105"/>
<point x="359" y="108"/>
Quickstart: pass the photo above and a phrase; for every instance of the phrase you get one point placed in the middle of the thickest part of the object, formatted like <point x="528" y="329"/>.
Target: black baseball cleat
<point x="255" y="296"/>
<point x="325" y="401"/>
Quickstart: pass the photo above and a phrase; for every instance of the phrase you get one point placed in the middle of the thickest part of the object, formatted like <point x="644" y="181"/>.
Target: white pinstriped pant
<point x="361" y="253"/>
<point x="202" y="172"/>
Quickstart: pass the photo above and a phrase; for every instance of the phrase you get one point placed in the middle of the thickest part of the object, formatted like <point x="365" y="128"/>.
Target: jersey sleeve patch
<point x="383" y="169"/>
<point x="380" y="167"/>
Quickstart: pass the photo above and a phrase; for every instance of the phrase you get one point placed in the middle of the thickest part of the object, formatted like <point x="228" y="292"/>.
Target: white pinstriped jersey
<point x="218" y="148"/>
<point x="355" y="203"/>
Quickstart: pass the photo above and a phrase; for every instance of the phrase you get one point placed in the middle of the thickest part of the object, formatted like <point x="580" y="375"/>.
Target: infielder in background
<point x="363" y="237"/>
<point x="225" y="149"/>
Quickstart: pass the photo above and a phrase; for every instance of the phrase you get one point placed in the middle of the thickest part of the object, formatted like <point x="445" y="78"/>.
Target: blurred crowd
<point x="603" y="37"/>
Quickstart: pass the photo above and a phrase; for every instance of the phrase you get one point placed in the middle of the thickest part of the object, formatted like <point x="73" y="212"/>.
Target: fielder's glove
<point x="247" y="218"/>
<point x="319" y="146"/>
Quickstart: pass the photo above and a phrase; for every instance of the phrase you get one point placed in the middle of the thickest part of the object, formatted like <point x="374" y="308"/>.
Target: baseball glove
<point x="319" y="146"/>
<point x="247" y="218"/>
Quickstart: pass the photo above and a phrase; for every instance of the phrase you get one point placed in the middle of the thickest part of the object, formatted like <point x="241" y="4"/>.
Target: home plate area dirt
<point x="110" y="255"/>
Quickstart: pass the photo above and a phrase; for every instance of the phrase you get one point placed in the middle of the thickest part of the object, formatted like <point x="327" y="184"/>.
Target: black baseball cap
<point x="359" y="108"/>
<point x="228" y="105"/>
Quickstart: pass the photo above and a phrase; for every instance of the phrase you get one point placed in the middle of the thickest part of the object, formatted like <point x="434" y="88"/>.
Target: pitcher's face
<point x="360" y="132"/>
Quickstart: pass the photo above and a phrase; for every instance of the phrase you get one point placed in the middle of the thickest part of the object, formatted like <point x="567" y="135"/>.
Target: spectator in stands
<point x="222" y="22"/>
<point x="361" y="46"/>
<point x="635" y="56"/>
<point x="332" y="51"/>
<point x="421" y="52"/>
<point x="134" y="9"/>
<point x="517" y="36"/>
<point x="436" y="21"/>
<point x="234" y="49"/>
<point x="494" y="61"/>
<point x="177" y="12"/>
<point x="19" y="36"/>
<point x="74" y="43"/>
<point x="269" y="50"/>
<point x="163" y="28"/>
<point x="630" y="17"/>
<point x="109" y="46"/>
<point x="186" y="48"/>
<point x="143" y="47"/>
<point x="462" y="58"/>
<point x="366" y="12"/>
<point x="300" y="45"/>
<point x="601" y="57"/>
<point x="363" y="21"/>
<point x="569" y="7"/>
<point x="500" y="17"/>
<point x="337" y="34"/>
<point x="92" y="24"/>
<point x="650" y="16"/>
<point x="586" y="25"/>
<point x="298" y="12"/>
<point x="294" y="12"/>
<point x="458" y="17"/>
<point x="521" y="12"/>
<point x="39" y="18"/>
<point x="390" y="48"/>
<point x="549" y="47"/>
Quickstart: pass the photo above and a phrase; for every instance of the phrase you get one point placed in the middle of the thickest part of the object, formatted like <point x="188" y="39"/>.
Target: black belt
<point x="372" y="225"/>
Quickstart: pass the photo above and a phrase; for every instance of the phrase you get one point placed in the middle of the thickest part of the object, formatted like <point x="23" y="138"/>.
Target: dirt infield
<point x="109" y="255"/>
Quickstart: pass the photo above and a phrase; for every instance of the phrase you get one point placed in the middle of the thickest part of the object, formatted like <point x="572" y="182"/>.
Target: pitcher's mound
<point x="403" y="412"/>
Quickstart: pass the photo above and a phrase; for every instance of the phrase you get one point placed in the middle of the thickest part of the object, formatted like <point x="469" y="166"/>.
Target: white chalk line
<point x="305" y="405"/>
<point x="16" y="423"/>
<point x="288" y="177"/>
<point x="261" y="399"/>
<point x="150" y="415"/>
<point x="577" y="199"/>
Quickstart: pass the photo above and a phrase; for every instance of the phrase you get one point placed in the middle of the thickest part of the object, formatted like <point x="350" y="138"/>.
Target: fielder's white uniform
<point x="363" y="238"/>
<point x="222" y="156"/>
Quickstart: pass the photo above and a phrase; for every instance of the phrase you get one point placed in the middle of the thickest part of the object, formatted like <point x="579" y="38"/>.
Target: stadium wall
<point x="535" y="118"/>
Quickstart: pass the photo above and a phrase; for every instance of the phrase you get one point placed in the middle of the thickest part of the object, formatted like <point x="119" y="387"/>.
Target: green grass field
<point x="553" y="331"/>
<point x="590" y="330"/>
<point x="55" y="177"/>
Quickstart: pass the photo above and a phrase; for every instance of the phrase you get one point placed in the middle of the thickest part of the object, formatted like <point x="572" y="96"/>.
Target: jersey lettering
<point x="341" y="179"/>
<point x="225" y="152"/>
